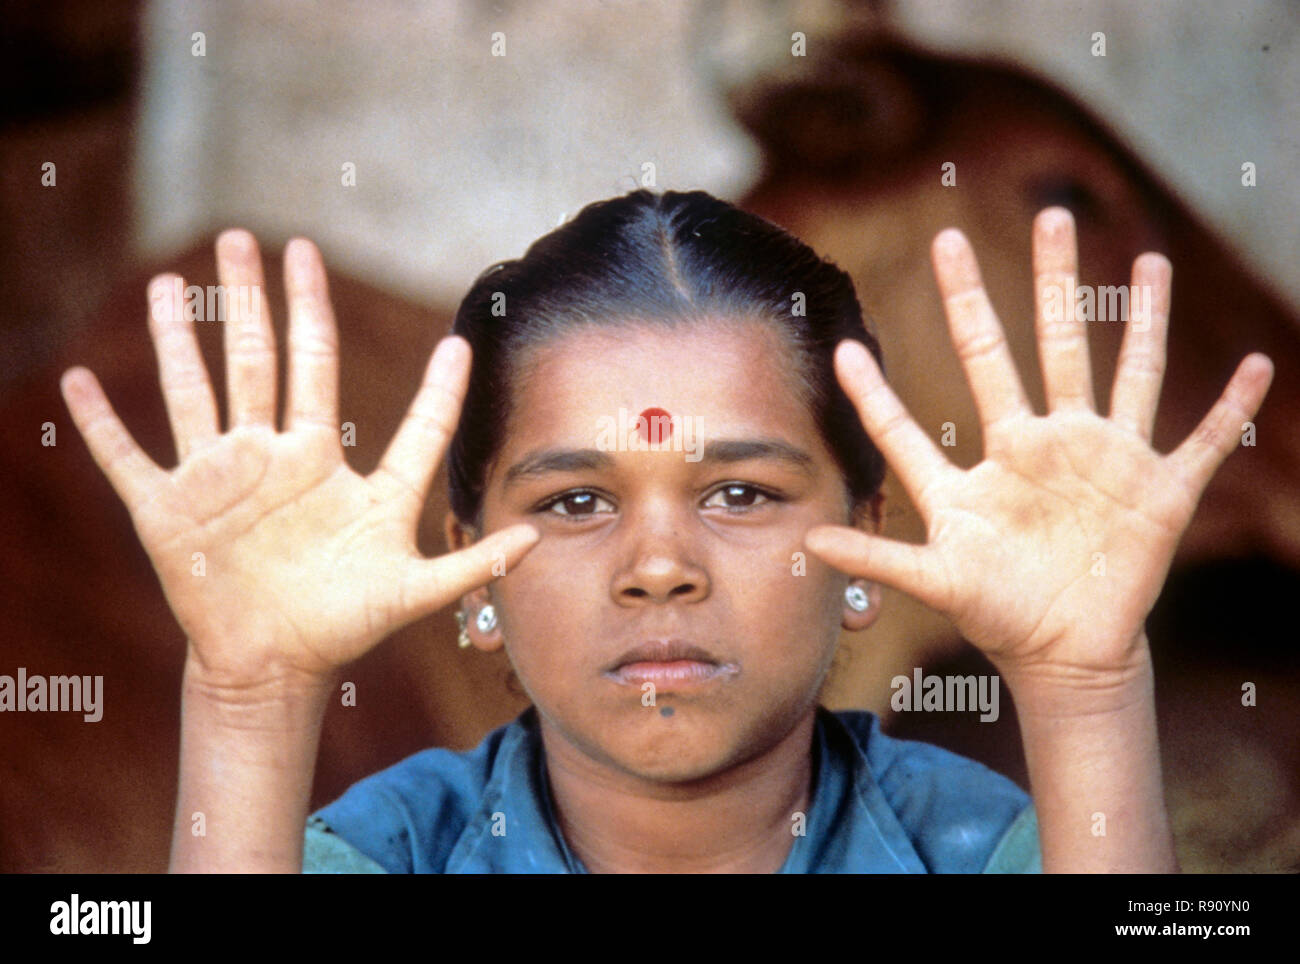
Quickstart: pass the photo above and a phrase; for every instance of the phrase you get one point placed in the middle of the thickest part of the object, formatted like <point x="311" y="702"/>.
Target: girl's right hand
<point x="305" y="565"/>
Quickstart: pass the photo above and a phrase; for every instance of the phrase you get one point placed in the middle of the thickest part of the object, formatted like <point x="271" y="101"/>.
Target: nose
<point x="661" y="568"/>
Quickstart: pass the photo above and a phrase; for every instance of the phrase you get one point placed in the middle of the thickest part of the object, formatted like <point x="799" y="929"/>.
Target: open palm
<point x="273" y="553"/>
<point x="1050" y="553"/>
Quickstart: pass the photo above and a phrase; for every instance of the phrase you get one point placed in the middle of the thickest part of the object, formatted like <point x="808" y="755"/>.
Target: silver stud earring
<point x="486" y="620"/>
<point x="857" y="598"/>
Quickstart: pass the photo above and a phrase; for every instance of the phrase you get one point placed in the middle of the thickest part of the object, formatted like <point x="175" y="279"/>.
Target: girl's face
<point x="698" y="544"/>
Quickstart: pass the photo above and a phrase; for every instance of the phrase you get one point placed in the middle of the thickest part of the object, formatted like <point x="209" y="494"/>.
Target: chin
<point x="678" y="750"/>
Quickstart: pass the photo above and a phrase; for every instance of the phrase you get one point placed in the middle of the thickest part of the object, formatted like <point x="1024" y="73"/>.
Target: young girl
<point x="670" y="591"/>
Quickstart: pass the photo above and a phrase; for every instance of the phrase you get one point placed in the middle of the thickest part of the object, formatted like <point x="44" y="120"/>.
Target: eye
<point x="739" y="496"/>
<point x="576" y="504"/>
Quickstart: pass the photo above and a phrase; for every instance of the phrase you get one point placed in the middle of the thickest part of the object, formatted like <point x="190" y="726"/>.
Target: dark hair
<point x="658" y="259"/>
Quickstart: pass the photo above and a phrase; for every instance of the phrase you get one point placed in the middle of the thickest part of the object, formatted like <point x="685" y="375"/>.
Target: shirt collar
<point x="849" y="828"/>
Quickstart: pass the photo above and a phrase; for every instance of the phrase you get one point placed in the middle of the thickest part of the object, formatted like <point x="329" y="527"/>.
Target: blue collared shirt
<point x="879" y="805"/>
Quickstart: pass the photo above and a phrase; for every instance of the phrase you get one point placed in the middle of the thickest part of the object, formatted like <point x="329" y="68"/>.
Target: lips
<point x="668" y="663"/>
<point x="663" y="651"/>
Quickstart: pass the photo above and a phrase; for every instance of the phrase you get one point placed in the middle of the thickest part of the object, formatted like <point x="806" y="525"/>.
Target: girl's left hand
<point x="1050" y="553"/>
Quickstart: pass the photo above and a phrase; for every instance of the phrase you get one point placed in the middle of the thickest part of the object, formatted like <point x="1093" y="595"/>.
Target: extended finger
<point x="1141" y="366"/>
<point x="977" y="335"/>
<point x="187" y="391"/>
<point x="1202" y="452"/>
<point x="886" y="561"/>
<point x="431" y="584"/>
<point x="313" y="339"/>
<point x="1062" y="337"/>
<point x="913" y="456"/>
<point x="249" y="340"/>
<point x="133" y="475"/>
<point x="412" y="457"/>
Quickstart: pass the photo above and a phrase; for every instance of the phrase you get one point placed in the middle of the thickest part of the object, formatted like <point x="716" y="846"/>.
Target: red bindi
<point x="655" y="426"/>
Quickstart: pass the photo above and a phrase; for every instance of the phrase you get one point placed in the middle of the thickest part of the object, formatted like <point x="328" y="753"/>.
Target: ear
<point x="855" y="621"/>
<point x="870" y="515"/>
<point x="870" y="518"/>
<point x="460" y="536"/>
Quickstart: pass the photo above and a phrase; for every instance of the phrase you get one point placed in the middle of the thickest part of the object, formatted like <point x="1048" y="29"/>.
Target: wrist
<point x="1066" y="691"/>
<point x="247" y="760"/>
<point x="280" y="699"/>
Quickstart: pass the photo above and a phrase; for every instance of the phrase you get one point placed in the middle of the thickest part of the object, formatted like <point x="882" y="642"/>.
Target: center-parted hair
<point x="658" y="259"/>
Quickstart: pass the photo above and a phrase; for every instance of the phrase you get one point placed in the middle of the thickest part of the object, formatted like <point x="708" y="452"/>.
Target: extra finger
<point x="187" y="391"/>
<point x="913" y="456"/>
<point x="1141" y="366"/>
<point x="1062" y="336"/>
<point x="977" y="335"/>
<point x="313" y="340"/>
<point x="249" y="340"/>
<point x="412" y="457"/>
<point x="1202" y="452"/>
<point x="133" y="475"/>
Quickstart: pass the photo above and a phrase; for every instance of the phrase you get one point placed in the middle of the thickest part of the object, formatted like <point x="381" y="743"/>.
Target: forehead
<point x="735" y="376"/>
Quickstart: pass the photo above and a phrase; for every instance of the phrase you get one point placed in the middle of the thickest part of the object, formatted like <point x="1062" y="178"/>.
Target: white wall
<point x="463" y="158"/>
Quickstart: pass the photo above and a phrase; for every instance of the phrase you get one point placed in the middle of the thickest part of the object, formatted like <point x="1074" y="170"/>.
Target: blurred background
<point x="418" y="143"/>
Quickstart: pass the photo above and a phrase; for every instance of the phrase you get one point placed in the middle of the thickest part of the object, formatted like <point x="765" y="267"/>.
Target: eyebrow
<point x="719" y="451"/>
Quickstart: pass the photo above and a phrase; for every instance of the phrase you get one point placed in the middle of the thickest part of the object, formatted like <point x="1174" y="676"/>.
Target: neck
<point x="618" y="823"/>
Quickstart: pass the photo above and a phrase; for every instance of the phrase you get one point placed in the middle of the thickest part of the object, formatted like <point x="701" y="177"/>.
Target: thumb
<point x="889" y="562"/>
<point x="431" y="584"/>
